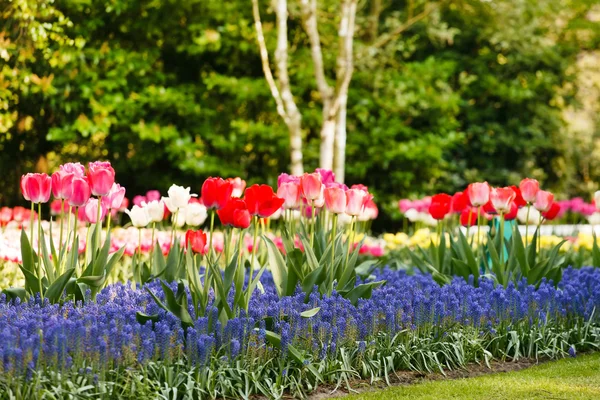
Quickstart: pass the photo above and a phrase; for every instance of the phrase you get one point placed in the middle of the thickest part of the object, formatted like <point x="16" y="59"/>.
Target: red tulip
<point x="468" y="217"/>
<point x="552" y="212"/>
<point x="440" y="205"/>
<point x="101" y="177"/>
<point x="262" y="201"/>
<point x="238" y="185"/>
<point x="529" y="189"/>
<point x="36" y="187"/>
<point x="197" y="240"/>
<point x="241" y="218"/>
<point x="216" y="192"/>
<point x="227" y="214"/>
<point x="335" y="199"/>
<point x="479" y="193"/>
<point x="310" y="186"/>
<point x="80" y="192"/>
<point x="488" y="208"/>
<point x="356" y="200"/>
<point x="543" y="200"/>
<point x="519" y="200"/>
<point x="460" y="201"/>
<point x="290" y="193"/>
<point x="502" y="198"/>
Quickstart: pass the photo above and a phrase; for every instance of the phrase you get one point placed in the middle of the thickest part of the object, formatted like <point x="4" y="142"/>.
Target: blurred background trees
<point x="442" y="92"/>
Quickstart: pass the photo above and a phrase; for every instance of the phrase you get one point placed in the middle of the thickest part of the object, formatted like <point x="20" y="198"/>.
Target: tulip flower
<point x="440" y="206"/>
<point x="91" y="211"/>
<point x="195" y="214"/>
<point x="370" y="211"/>
<point x="155" y="209"/>
<point x="238" y="185"/>
<point x="226" y="214"/>
<point x="543" y="200"/>
<point x="197" y="241"/>
<point x="80" y="192"/>
<point x="138" y="200"/>
<point x="216" y="192"/>
<point x="335" y="199"/>
<point x="287" y="178"/>
<point x="310" y="186"/>
<point x="73" y="168"/>
<point x="61" y="184"/>
<point x="597" y="200"/>
<point x="512" y="214"/>
<point x="552" y="212"/>
<point x="115" y="197"/>
<point x="262" y="201"/>
<point x="327" y="176"/>
<point x="152" y="195"/>
<point x="502" y="198"/>
<point x="290" y="193"/>
<point x="468" y="217"/>
<point x="519" y="200"/>
<point x="139" y="216"/>
<point x="529" y="189"/>
<point x="36" y="187"/>
<point x="6" y="215"/>
<point x="459" y="202"/>
<point x="101" y="176"/>
<point x="355" y="201"/>
<point x="479" y="193"/>
<point x="178" y="197"/>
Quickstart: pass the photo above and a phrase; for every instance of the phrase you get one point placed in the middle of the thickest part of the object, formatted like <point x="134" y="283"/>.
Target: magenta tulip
<point x="80" y="192"/>
<point x="543" y="200"/>
<point x="101" y="177"/>
<point x="36" y="187"/>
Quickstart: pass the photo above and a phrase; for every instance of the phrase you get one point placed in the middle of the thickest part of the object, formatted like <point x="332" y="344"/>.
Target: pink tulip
<point x="355" y="201"/>
<point x="287" y="178"/>
<point x="310" y="186"/>
<point x="36" y="187"/>
<point x="61" y="184"/>
<point x="529" y="189"/>
<point x="91" y="211"/>
<point x="138" y="200"/>
<point x="73" y="168"/>
<point x="502" y="198"/>
<point x="335" y="198"/>
<point x="543" y="200"/>
<point x="152" y="195"/>
<point x="404" y="205"/>
<point x="479" y="193"/>
<point x="114" y="198"/>
<point x="290" y="193"/>
<point x="80" y="192"/>
<point x="327" y="176"/>
<point x="56" y="207"/>
<point x="101" y="177"/>
<point x="238" y="185"/>
<point x="124" y="204"/>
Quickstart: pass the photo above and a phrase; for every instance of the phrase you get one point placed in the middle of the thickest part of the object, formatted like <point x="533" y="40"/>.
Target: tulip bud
<point x="80" y="192"/>
<point x="529" y="189"/>
<point x="36" y="187"/>
<point x="543" y="200"/>
<point x="195" y="214"/>
<point x="91" y="211"/>
<point x="310" y="186"/>
<point x="139" y="216"/>
<point x="479" y="193"/>
<point x="101" y="176"/>
<point x="355" y="201"/>
<point x="179" y="197"/>
<point x="502" y="198"/>
<point x="335" y="198"/>
<point x="290" y="193"/>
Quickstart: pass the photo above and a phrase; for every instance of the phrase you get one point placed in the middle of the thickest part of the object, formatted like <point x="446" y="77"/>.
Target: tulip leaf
<point x="277" y="266"/>
<point x="310" y="313"/>
<point x="595" y="252"/>
<point x="93" y="281"/>
<point x="56" y="289"/>
<point x="363" y="291"/>
<point x="275" y="340"/>
<point x="26" y="252"/>
<point x="143" y="318"/>
<point x="14" y="293"/>
<point x="31" y="281"/>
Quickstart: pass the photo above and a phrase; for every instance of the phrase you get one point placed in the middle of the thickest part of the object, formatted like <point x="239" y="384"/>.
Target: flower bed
<point x="411" y="323"/>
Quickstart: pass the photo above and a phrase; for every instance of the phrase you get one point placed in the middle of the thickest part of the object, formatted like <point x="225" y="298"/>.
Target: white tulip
<point x="180" y="222"/>
<point x="155" y="209"/>
<point x="597" y="200"/>
<point x="412" y="214"/>
<point x="139" y="216"/>
<point x="277" y="214"/>
<point x="195" y="214"/>
<point x="344" y="219"/>
<point x="534" y="216"/>
<point x="179" y="197"/>
<point x="594" y="219"/>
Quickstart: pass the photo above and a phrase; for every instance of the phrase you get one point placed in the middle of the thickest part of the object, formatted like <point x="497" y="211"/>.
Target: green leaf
<point x="56" y="289"/>
<point x="277" y="266"/>
<point x="595" y="252"/>
<point x="31" y="281"/>
<point x="26" y="252"/>
<point x="93" y="281"/>
<point x="143" y="318"/>
<point x="310" y="313"/>
<point x="177" y="304"/>
<point x="13" y="293"/>
<point x="363" y="291"/>
<point x="275" y="340"/>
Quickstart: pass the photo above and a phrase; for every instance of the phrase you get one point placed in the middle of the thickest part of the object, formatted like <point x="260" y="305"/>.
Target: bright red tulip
<point x="335" y="199"/>
<point x="440" y="205"/>
<point x="543" y="200"/>
<point x="80" y="192"/>
<point x="479" y="193"/>
<point x="101" y="177"/>
<point x="262" y="201"/>
<point x="356" y="200"/>
<point x="502" y="198"/>
<point x="488" y="208"/>
<point x="519" y="200"/>
<point x="238" y="185"/>
<point x="290" y="193"/>
<point x="310" y="186"/>
<point x="468" y="217"/>
<point x="529" y="189"/>
<point x="460" y="201"/>
<point x="216" y="192"/>
<point x="36" y="187"/>
<point x="241" y="218"/>
<point x="227" y="213"/>
<point x="197" y="240"/>
<point x="552" y="212"/>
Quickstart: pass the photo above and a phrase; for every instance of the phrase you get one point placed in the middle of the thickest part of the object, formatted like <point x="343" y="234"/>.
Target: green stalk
<point x="240" y="242"/>
<point x="333" y="233"/>
<point x="502" y="247"/>
<point x="39" y="265"/>
<point x="478" y="226"/>
<point x="173" y="228"/>
<point x="255" y="224"/>
<point x="108" y="218"/>
<point x="31" y="229"/>
<point x="210" y="238"/>
<point x="350" y="240"/>
<point x="527" y="225"/>
<point x="313" y="223"/>
<point x="62" y="217"/>
<point x="139" y="265"/>
<point x="227" y="244"/>
<point x="98" y="224"/>
<point x="152" y="249"/>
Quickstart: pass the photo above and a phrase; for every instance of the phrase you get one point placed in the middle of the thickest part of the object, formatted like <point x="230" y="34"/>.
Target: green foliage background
<point x="173" y="91"/>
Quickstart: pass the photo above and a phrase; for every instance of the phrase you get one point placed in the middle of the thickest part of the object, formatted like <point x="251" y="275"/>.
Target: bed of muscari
<point x="100" y="349"/>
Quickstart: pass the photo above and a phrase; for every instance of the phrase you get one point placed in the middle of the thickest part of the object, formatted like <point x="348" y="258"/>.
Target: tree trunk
<point x="339" y="159"/>
<point x="327" y="141"/>
<point x="295" y="129"/>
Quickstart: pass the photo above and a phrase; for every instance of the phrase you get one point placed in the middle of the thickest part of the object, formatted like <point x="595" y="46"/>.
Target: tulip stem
<point x="255" y="223"/>
<point x="153" y="245"/>
<point x="313" y="223"/>
<point x="350" y="240"/>
<point x="173" y="228"/>
<point x="228" y="237"/>
<point x="210" y="239"/>
<point x="502" y="245"/>
<point x="527" y="225"/>
<point x="98" y="225"/>
<point x="39" y="252"/>
<point x="139" y="264"/>
<point x="240" y="242"/>
<point x="333" y="233"/>
<point x="62" y="217"/>
<point x="31" y="228"/>
<point x="478" y="226"/>
<point x="108" y="218"/>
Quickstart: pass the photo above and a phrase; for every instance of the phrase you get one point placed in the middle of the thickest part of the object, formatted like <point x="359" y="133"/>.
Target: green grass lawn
<point x="567" y="379"/>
